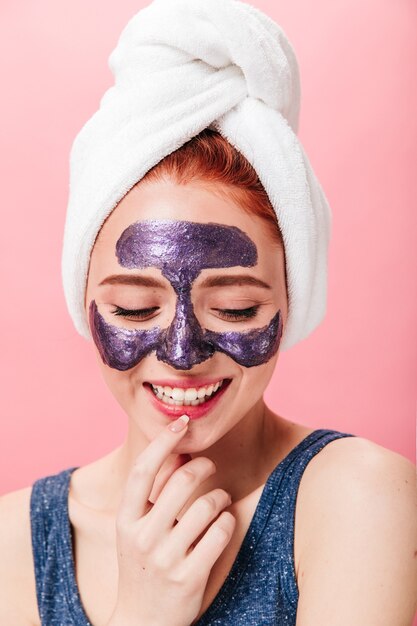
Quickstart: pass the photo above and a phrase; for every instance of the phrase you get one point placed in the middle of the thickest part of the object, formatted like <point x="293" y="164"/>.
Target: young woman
<point x="215" y="509"/>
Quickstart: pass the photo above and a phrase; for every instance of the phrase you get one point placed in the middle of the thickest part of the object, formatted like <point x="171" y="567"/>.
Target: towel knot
<point x="210" y="56"/>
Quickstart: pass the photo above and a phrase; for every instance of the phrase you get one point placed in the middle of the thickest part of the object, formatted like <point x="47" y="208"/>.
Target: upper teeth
<point x="180" y="396"/>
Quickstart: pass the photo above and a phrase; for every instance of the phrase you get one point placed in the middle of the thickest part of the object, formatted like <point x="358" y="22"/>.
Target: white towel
<point x="181" y="66"/>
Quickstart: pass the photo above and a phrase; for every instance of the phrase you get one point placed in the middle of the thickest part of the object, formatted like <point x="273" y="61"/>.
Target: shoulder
<point x="17" y="577"/>
<point x="355" y="465"/>
<point x="353" y="475"/>
<point x="358" y="534"/>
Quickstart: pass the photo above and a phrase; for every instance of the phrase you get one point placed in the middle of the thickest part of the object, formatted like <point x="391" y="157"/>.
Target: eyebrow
<point x="240" y="279"/>
<point x="132" y="279"/>
<point x="211" y="281"/>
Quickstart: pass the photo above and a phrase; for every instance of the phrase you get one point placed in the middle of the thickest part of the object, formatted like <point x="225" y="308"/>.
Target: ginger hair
<point x="211" y="160"/>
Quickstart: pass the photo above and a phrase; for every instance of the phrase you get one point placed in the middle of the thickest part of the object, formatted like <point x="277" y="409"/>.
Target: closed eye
<point x="141" y="314"/>
<point x="238" y="314"/>
<point x="227" y="314"/>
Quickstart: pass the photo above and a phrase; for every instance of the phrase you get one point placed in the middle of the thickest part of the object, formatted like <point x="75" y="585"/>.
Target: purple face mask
<point x="181" y="250"/>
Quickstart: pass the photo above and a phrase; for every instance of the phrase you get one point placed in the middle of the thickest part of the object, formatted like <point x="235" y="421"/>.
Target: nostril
<point x="184" y="354"/>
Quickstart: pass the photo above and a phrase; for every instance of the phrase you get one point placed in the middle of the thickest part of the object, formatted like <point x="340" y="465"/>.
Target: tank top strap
<point x="284" y="486"/>
<point x="48" y="503"/>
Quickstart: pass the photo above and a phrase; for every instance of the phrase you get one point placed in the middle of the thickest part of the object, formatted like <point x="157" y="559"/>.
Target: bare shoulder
<point x="357" y="552"/>
<point x="356" y="472"/>
<point x="17" y="577"/>
<point x="357" y="465"/>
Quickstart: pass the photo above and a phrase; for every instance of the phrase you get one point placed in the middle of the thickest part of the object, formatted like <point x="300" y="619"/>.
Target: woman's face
<point x="186" y="302"/>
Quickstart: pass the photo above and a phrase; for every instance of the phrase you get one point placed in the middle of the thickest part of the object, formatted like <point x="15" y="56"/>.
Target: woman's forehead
<point x="169" y="201"/>
<point x="176" y="246"/>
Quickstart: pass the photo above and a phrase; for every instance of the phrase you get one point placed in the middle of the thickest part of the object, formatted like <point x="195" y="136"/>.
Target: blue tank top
<point x="261" y="587"/>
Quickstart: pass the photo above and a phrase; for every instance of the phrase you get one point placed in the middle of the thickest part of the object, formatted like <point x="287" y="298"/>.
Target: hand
<point x="163" y="570"/>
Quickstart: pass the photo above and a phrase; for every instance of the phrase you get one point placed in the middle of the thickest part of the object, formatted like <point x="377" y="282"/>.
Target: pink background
<point x="357" y="371"/>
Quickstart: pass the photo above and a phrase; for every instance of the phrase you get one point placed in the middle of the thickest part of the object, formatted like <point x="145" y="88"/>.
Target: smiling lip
<point x="193" y="412"/>
<point x="184" y="383"/>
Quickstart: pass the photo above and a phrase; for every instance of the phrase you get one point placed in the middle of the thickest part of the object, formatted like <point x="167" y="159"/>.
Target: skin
<point x="235" y="434"/>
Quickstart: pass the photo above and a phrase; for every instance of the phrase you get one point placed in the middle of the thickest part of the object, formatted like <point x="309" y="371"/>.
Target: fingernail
<point x="179" y="424"/>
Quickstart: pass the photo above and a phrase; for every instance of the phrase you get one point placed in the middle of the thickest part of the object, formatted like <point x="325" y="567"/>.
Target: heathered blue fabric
<point x="261" y="587"/>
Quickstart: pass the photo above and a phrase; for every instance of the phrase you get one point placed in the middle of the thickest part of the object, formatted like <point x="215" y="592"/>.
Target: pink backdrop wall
<point x="357" y="371"/>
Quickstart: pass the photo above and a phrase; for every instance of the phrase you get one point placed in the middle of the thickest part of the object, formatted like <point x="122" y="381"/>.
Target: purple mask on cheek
<point x="181" y="250"/>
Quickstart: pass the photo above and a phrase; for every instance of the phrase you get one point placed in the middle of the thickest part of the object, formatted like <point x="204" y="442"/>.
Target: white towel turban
<point x="181" y="66"/>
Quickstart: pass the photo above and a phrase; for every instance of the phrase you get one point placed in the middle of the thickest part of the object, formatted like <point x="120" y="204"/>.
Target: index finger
<point x="142" y="475"/>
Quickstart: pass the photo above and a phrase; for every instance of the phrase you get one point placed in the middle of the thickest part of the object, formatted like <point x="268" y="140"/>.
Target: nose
<point x="183" y="344"/>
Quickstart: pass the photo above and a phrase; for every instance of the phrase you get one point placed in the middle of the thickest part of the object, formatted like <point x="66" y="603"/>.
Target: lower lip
<point x="194" y="412"/>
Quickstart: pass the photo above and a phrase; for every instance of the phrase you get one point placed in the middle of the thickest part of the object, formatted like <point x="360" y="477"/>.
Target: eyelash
<point x="140" y="313"/>
<point x="239" y="314"/>
<point x="229" y="314"/>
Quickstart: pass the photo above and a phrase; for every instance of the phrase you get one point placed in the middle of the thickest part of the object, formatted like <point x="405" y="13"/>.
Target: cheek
<point x="251" y="348"/>
<point x="120" y="348"/>
<point x="255" y="381"/>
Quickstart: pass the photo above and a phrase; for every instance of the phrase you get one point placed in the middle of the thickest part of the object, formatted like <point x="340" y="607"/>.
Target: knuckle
<point x="228" y="519"/>
<point x="162" y="560"/>
<point x="224" y="525"/>
<point x="186" y="476"/>
<point x="221" y="533"/>
<point x="181" y="577"/>
<point x="143" y="543"/>
<point x="208" y="504"/>
<point x="187" y="578"/>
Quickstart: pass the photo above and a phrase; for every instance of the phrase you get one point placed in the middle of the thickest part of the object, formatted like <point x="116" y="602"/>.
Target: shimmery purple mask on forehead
<point x="181" y="250"/>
